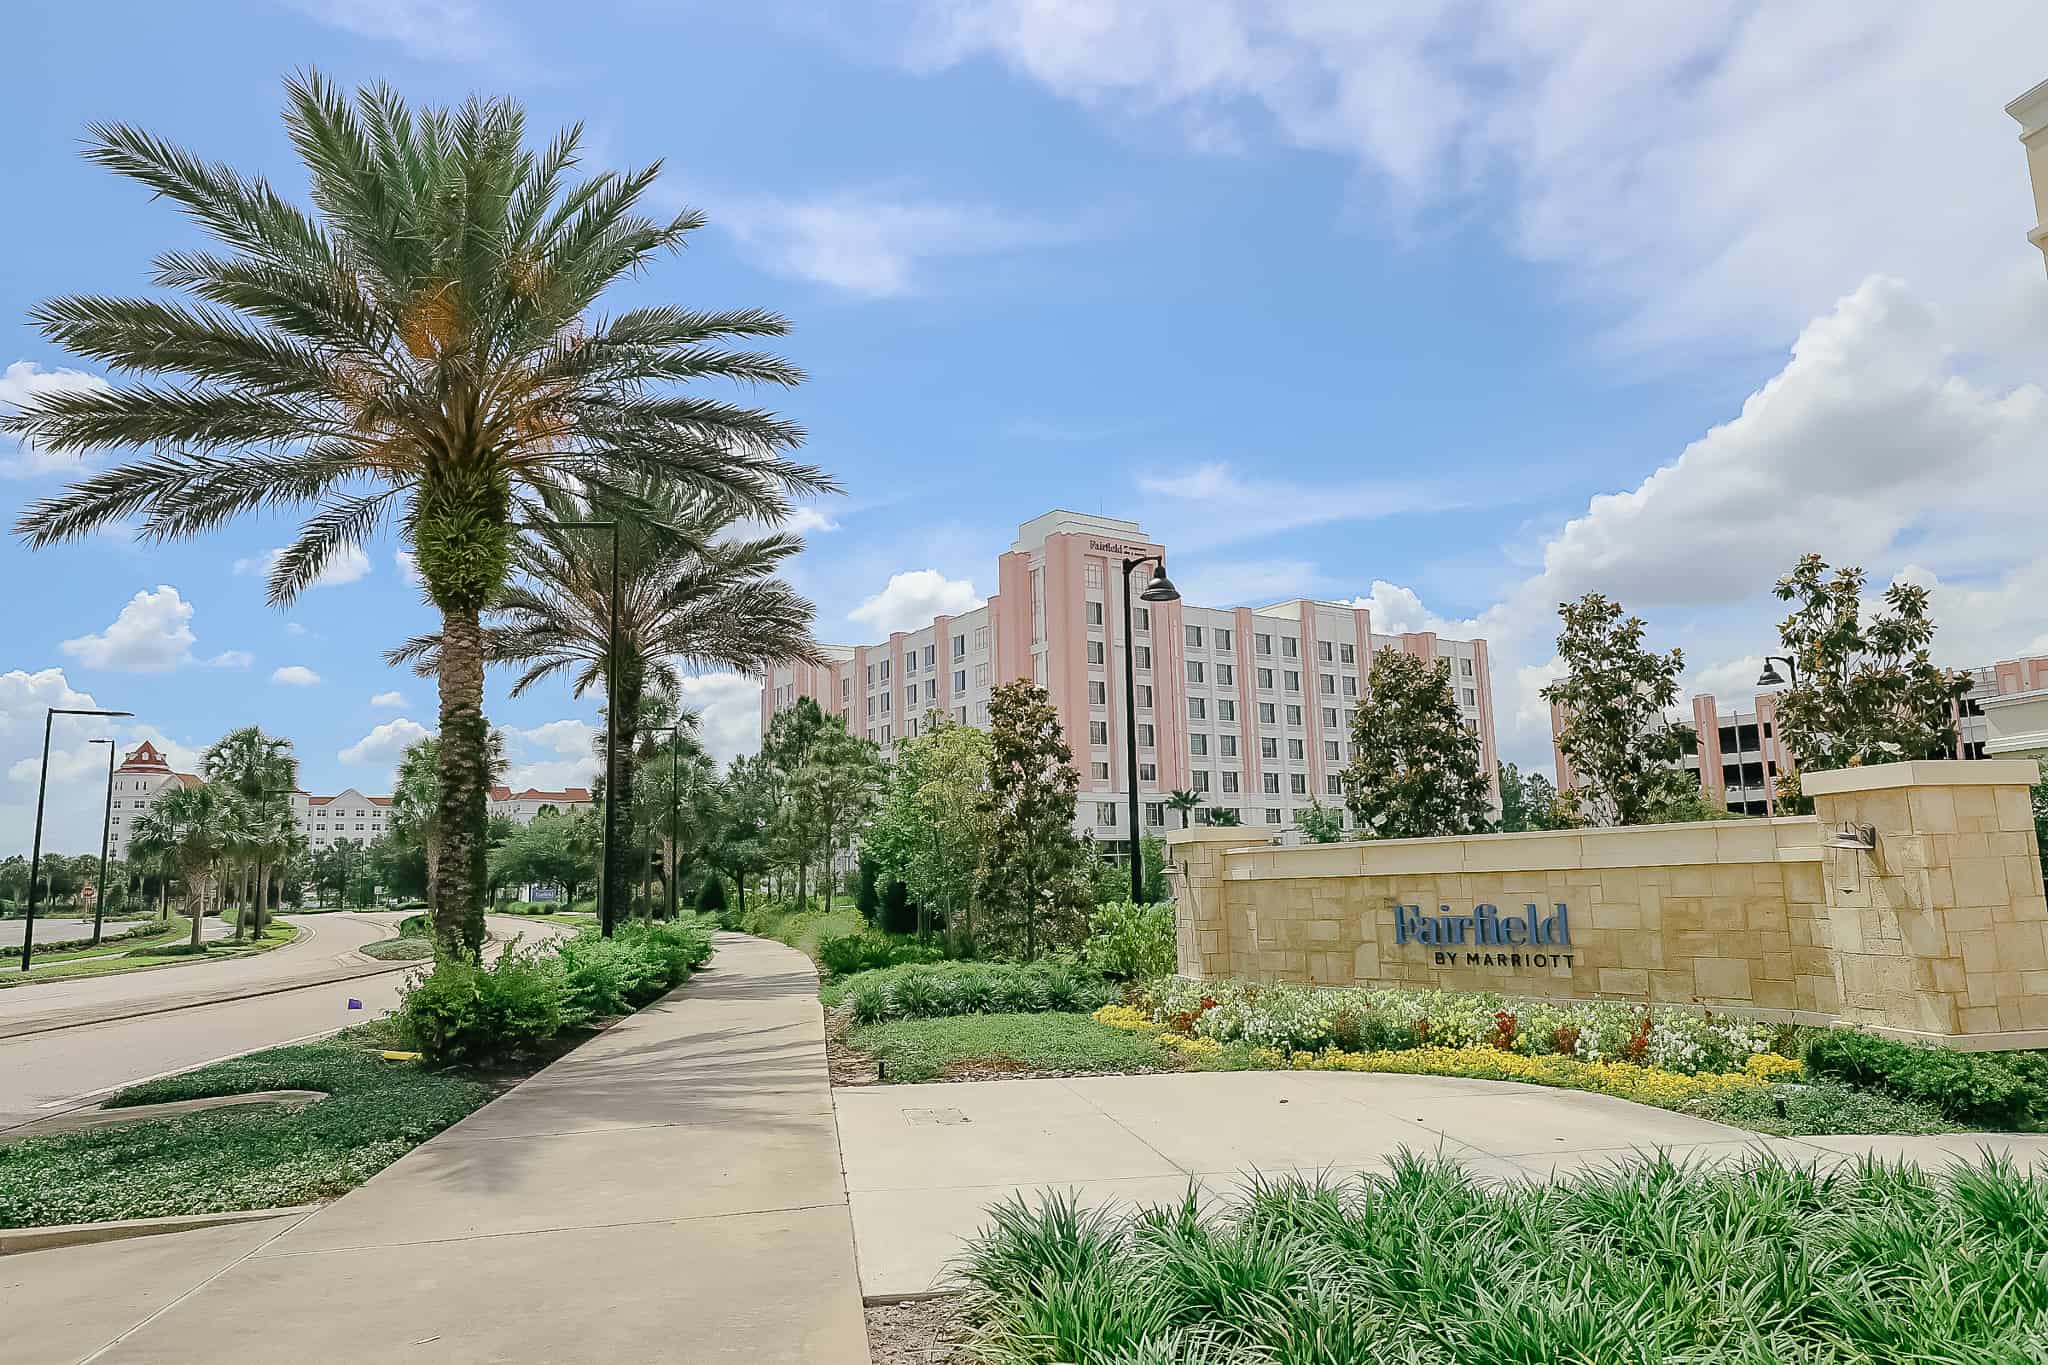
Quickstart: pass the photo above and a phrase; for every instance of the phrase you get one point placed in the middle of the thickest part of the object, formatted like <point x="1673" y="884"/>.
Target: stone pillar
<point x="1194" y="869"/>
<point x="1938" y="926"/>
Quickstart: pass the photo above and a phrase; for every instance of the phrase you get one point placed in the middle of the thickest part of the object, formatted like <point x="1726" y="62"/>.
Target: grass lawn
<point x="1427" y="1266"/>
<point x="411" y="948"/>
<point x="223" y="1160"/>
<point x="140" y="957"/>
<point x="178" y="931"/>
<point x="928" y="1049"/>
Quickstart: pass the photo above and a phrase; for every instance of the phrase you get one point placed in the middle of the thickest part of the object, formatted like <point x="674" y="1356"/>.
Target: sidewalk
<point x="669" y="1191"/>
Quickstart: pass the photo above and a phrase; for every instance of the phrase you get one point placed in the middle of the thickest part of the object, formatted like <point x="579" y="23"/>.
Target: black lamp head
<point x="1159" y="588"/>
<point x="1770" y="677"/>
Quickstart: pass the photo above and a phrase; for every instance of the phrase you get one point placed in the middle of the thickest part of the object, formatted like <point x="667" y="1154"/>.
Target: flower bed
<point x="1293" y="1019"/>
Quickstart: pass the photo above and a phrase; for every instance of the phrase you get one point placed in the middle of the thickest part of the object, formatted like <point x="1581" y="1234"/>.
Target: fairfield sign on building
<point x="1487" y="928"/>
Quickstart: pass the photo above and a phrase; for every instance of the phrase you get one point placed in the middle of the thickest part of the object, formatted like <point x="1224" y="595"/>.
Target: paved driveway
<point x="923" y="1162"/>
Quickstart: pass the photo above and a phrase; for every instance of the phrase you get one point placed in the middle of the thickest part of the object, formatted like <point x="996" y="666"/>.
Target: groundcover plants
<point x="1651" y="1264"/>
<point x="928" y="992"/>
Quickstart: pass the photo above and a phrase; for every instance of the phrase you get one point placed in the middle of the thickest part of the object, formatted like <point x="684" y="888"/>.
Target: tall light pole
<point x="1770" y="677"/>
<point x="99" y="895"/>
<point x="675" y="802"/>
<point x="35" y="857"/>
<point x="1158" y="588"/>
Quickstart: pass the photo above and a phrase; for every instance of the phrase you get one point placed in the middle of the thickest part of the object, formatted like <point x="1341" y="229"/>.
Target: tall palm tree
<point x="416" y="797"/>
<point x="419" y="348"/>
<point x="260" y="772"/>
<point x="193" y="823"/>
<point x="695" y="591"/>
<point x="1183" y="801"/>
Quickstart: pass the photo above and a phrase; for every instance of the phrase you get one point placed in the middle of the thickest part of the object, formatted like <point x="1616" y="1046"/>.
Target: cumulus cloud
<point x="395" y="700"/>
<point x="345" y="565"/>
<point x="912" y="599"/>
<point x="231" y="658"/>
<point x="408" y="566"/>
<point x="429" y="30"/>
<point x="728" y="707"/>
<point x="874" y="242"/>
<point x="552" y="756"/>
<point x="78" y="768"/>
<point x="153" y="634"/>
<point x="386" y="743"/>
<point x="21" y="381"/>
<point x="806" y="521"/>
<point x="295" y="675"/>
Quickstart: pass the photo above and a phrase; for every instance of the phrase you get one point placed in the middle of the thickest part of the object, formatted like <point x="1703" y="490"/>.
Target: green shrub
<point x="899" y="912"/>
<point x="845" y="954"/>
<point x="870" y="1003"/>
<point x="1982" y="1089"/>
<point x="415" y="926"/>
<point x="1018" y="991"/>
<point x="461" y="1012"/>
<point x="711" y="895"/>
<point x="939" y="990"/>
<point x="1129" y="942"/>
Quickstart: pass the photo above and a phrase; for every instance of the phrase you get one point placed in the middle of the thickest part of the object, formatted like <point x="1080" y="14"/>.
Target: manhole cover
<point x="933" y="1118"/>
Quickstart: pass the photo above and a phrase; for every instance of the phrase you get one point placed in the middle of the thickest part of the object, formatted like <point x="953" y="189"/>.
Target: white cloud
<point x="295" y="675"/>
<point x="231" y="658"/>
<point x="345" y="565"/>
<point x="568" y="738"/>
<point x="728" y="707"/>
<point x="1396" y="610"/>
<point x="873" y="242"/>
<point x="395" y="700"/>
<point x="152" y="634"/>
<point x="428" y="30"/>
<point x="912" y="599"/>
<point x="408" y="566"/>
<point x="808" y="521"/>
<point x="21" y="381"/>
<point x="1705" y="170"/>
<point x="294" y="628"/>
<point x="558" y="754"/>
<point x="1214" y="504"/>
<point x="384" y="744"/>
<point x="78" y="768"/>
<point x="1248" y="582"/>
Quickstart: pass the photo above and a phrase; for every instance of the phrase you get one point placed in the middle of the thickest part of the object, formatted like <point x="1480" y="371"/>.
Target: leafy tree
<point x="929" y="828"/>
<point x="832" y="792"/>
<point x="740" y="811"/>
<point x="1868" y="691"/>
<point x="260" y="773"/>
<point x="1224" y="817"/>
<point x="417" y="808"/>
<point x="1414" y="771"/>
<point x="900" y="914"/>
<point x="784" y="749"/>
<point x="1184" y="801"/>
<point x="549" y="849"/>
<point x="14" y="880"/>
<point x="192" y="822"/>
<point x="1529" y="801"/>
<point x="1033" y="881"/>
<point x="1321" y="824"/>
<point x="422" y="348"/>
<point x="865" y="871"/>
<point x="675" y="805"/>
<point x="1152" y="856"/>
<point x="1624" y="752"/>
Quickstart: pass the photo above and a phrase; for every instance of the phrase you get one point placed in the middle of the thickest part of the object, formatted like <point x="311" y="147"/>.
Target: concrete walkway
<point x="925" y="1162"/>
<point x="669" y="1191"/>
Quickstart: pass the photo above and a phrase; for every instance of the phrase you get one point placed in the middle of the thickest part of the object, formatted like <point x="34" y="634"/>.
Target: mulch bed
<point x="919" y="1332"/>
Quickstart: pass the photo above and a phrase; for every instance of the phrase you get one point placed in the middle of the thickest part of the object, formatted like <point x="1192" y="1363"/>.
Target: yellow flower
<point x="1125" y="1017"/>
<point x="1771" y="1066"/>
<point x="1644" y="1084"/>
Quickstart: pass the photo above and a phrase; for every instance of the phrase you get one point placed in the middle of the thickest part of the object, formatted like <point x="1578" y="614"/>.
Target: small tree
<point x="1868" y="691"/>
<point x="865" y="898"/>
<point x="1321" y="824"/>
<point x="1034" y="874"/>
<point x="1625" y="754"/>
<point x="1529" y="801"/>
<point x="1415" y="769"/>
<point x="1224" y="817"/>
<point x="1185" y="802"/>
<point x="833" y="791"/>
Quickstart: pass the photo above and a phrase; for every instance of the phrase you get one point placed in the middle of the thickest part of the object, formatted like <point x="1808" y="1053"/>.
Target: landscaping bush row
<point x="147" y="929"/>
<point x="870" y="950"/>
<point x="1130" y="942"/>
<point x="1982" y="1089"/>
<point x="930" y="992"/>
<point x="463" y="1012"/>
<point x="1292" y="1018"/>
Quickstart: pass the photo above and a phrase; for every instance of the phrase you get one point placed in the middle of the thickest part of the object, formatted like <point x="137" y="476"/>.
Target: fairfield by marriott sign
<point x="1531" y="937"/>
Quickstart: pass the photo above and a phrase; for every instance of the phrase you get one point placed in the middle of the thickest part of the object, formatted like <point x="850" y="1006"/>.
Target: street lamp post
<point x="99" y="895"/>
<point x="35" y="857"/>
<point x="1770" y="677"/>
<point x="675" y="803"/>
<point x="1158" y="588"/>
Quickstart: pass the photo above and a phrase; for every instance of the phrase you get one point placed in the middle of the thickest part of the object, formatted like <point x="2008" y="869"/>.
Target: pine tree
<point x="1415" y="770"/>
<point x="1034" y="880"/>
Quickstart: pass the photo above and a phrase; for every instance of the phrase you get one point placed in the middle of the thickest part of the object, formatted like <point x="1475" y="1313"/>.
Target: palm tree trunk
<point x="460" y="815"/>
<point x="618" y="842"/>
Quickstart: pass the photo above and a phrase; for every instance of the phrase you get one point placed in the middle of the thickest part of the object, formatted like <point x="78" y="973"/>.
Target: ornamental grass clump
<point x="1647" y="1263"/>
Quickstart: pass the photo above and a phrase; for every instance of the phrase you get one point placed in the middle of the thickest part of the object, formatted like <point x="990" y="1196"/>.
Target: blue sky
<point x="1458" y="310"/>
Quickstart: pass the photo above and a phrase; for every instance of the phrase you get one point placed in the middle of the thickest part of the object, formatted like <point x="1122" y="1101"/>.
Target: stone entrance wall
<point x="1911" y="902"/>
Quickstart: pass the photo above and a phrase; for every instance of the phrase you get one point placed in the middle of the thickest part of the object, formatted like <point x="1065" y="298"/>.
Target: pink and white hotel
<point x="1247" y="707"/>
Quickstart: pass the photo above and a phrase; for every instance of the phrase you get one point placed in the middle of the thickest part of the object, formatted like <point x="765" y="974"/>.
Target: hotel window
<point x="1294" y="751"/>
<point x="1099" y="771"/>
<point x="1197" y="709"/>
<point x="1269" y="783"/>
<point x="1329" y="682"/>
<point x="931" y="689"/>
<point x="1229" y="783"/>
<point x="871" y="708"/>
<point x="1272" y="815"/>
<point x="845" y="689"/>
<point x="1098" y="692"/>
<point x="910" y="661"/>
<point x="1465" y="667"/>
<point x="1323" y="650"/>
<point x="930" y="655"/>
<point x="1289" y="647"/>
<point x="1093" y="574"/>
<point x="1144" y="691"/>
<point x="1330" y="716"/>
<point x="886" y="737"/>
<point x="1098" y="732"/>
<point x="960" y="714"/>
<point x="1141" y="619"/>
<point x="1148" y="772"/>
<point x="1298" y="783"/>
<point x="1226" y="710"/>
<point x="959" y="646"/>
<point x="1471" y="727"/>
<point x="1198" y="745"/>
<point x="887" y="697"/>
<point x="1262" y="644"/>
<point x="981" y="675"/>
<point x="1105" y="812"/>
<point x="1350" y="686"/>
<point x="1200" y="779"/>
<point x="1292" y="680"/>
<point x="1346" y="654"/>
<point x="1227" y="745"/>
<point x="1222" y="638"/>
<point x="871" y="675"/>
<point x="1095" y="652"/>
<point x="1226" y="676"/>
<point x="1141" y="656"/>
<point x="1330" y="750"/>
<point x="1470" y="697"/>
<point x="885" y="670"/>
<point x="1334" y="785"/>
<point x="910" y="697"/>
<point x="1194" y="637"/>
<point x="1265" y="713"/>
<point x="1194" y="670"/>
<point x="1269" y="747"/>
<point x="959" y="680"/>
<point x="1294" y="715"/>
<point x="1265" y="679"/>
<point x="1145" y="740"/>
<point x="1094" y="613"/>
<point x="1155" y="812"/>
<point x="910" y="728"/>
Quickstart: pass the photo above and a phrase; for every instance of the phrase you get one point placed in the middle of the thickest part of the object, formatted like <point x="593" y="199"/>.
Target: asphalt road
<point x="52" y="928"/>
<point x="62" y="1066"/>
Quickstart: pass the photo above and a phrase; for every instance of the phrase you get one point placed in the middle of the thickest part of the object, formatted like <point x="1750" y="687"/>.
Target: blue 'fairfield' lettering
<point x="1485" y="925"/>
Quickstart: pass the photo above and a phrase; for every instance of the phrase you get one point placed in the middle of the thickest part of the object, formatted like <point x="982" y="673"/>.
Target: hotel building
<point x="1249" y="708"/>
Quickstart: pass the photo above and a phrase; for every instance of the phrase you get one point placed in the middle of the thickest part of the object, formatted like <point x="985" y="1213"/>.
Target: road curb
<point x="280" y="988"/>
<point x="14" y="1241"/>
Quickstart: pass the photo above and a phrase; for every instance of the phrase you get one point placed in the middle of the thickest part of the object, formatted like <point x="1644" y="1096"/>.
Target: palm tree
<point x="260" y="773"/>
<point x="422" y="348"/>
<point x="694" y="592"/>
<point x="191" y="822"/>
<point x="416" y="797"/>
<point x="1183" y="801"/>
